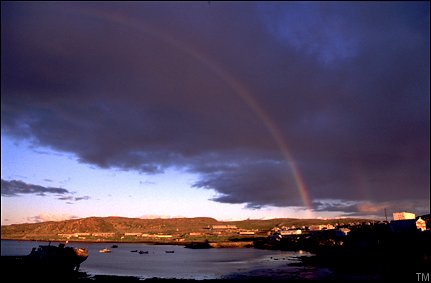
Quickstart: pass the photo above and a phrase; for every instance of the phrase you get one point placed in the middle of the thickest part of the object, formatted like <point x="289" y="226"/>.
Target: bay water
<point x="180" y="262"/>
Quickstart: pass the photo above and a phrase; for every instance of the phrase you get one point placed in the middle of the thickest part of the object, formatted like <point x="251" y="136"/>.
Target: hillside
<point x="107" y="224"/>
<point x="117" y="227"/>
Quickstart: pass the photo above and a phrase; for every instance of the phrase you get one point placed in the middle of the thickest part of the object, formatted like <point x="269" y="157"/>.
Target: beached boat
<point x="104" y="251"/>
<point x="58" y="257"/>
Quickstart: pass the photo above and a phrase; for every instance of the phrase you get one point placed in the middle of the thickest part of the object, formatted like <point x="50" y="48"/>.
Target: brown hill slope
<point x="121" y="225"/>
<point x="106" y="224"/>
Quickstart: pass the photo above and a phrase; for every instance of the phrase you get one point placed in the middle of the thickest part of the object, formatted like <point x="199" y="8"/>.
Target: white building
<point x="291" y="232"/>
<point x="420" y="224"/>
<point x="246" y="232"/>
<point x="321" y="227"/>
<point x="403" y="215"/>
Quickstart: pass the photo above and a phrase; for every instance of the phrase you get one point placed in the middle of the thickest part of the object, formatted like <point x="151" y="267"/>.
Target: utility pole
<point x="386" y="215"/>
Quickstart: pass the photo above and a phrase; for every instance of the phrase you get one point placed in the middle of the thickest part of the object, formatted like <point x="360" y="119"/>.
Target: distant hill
<point x="107" y="224"/>
<point x="121" y="225"/>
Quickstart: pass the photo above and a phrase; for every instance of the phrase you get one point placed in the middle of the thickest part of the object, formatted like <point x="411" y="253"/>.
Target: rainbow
<point x="238" y="88"/>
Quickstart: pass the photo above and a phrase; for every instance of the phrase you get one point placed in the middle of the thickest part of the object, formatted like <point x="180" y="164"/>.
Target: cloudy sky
<point x="229" y="110"/>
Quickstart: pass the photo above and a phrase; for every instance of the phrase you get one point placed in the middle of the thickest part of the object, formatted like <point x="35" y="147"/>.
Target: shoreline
<point x="221" y="244"/>
<point x="21" y="272"/>
<point x="99" y="241"/>
<point x="309" y="270"/>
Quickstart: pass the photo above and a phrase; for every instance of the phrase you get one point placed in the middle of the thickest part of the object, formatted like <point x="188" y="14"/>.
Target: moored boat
<point x="104" y="251"/>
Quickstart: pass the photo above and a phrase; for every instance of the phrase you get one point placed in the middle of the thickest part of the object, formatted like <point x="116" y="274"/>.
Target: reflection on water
<point x="181" y="263"/>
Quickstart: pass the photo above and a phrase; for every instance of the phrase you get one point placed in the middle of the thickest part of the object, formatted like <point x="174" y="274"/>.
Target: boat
<point x="104" y="251"/>
<point x="114" y="246"/>
<point x="56" y="257"/>
<point x="169" y="252"/>
<point x="143" y="252"/>
<point x="134" y="251"/>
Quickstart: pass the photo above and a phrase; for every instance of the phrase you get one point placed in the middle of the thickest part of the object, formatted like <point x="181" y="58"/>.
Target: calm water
<point x="183" y="263"/>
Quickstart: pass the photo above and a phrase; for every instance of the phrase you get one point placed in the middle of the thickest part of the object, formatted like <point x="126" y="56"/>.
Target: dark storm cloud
<point x="369" y="208"/>
<point x="15" y="188"/>
<point x="253" y="183"/>
<point x="214" y="88"/>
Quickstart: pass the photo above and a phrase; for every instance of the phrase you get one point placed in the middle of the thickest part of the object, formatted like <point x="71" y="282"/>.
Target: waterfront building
<point x="421" y="224"/>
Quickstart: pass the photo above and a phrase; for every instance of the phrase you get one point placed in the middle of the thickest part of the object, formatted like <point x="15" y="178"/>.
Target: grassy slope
<point x="174" y="225"/>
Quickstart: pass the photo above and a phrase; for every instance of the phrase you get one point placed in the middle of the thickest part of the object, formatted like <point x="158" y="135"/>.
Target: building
<point x="321" y="227"/>
<point x="291" y="232"/>
<point x="156" y="236"/>
<point x="162" y="236"/>
<point x="421" y="224"/>
<point x="403" y="216"/>
<point x="103" y="234"/>
<point x="224" y="227"/>
<point x="76" y="235"/>
<point x="246" y="232"/>
<point x="133" y="234"/>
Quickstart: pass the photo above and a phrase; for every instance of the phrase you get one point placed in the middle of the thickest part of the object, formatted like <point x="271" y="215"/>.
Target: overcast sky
<point x="229" y="110"/>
